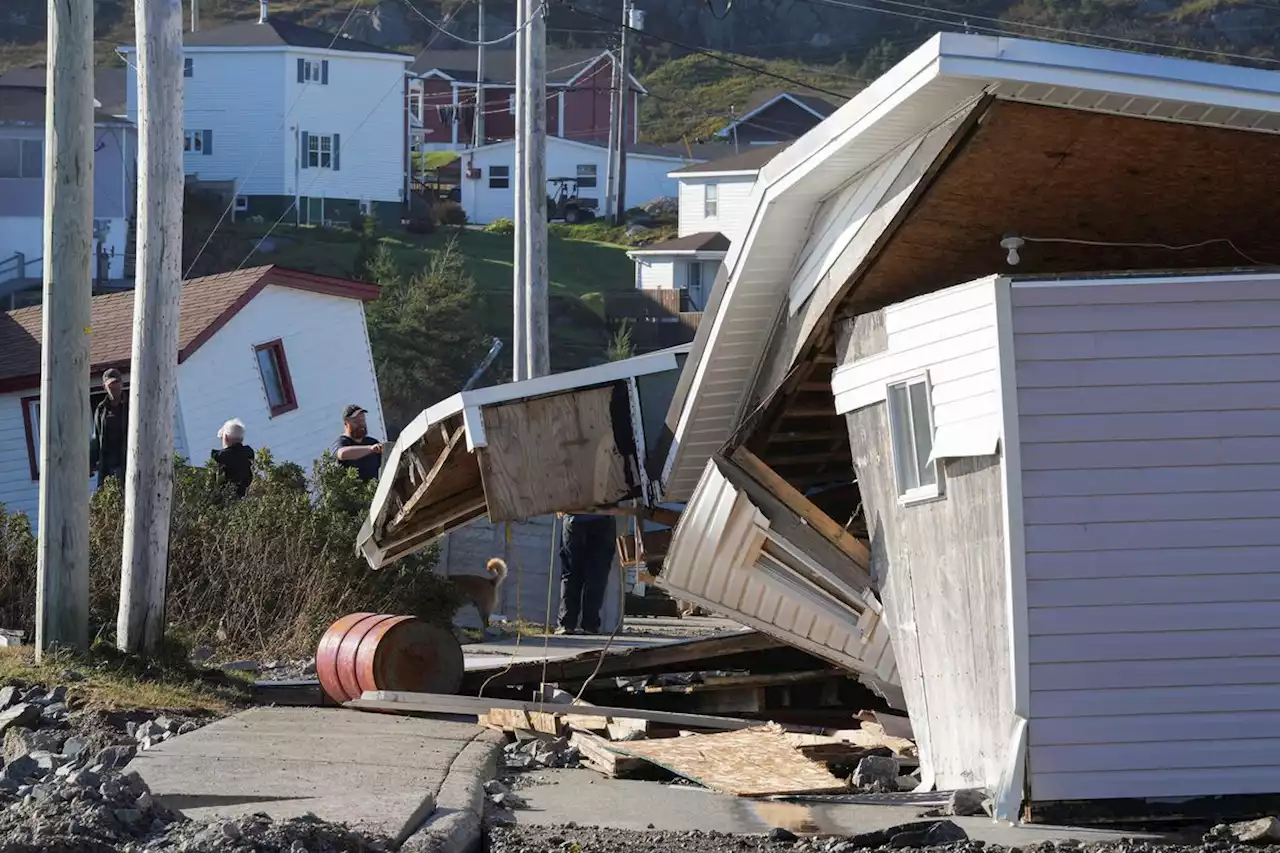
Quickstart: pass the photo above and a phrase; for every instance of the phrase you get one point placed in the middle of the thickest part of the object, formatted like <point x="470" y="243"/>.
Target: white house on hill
<point x="310" y="126"/>
<point x="488" y="172"/>
<point x="281" y="350"/>
<point x="714" y="201"/>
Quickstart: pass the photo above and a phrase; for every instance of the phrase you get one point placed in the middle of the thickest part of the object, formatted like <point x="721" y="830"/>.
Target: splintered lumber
<point x="396" y="702"/>
<point x="624" y="729"/>
<point x="597" y="754"/>
<point x="754" y="762"/>
<point x="721" y="651"/>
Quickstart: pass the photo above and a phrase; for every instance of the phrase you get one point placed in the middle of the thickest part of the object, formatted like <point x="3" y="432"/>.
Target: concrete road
<point x="589" y="799"/>
<point x="376" y="772"/>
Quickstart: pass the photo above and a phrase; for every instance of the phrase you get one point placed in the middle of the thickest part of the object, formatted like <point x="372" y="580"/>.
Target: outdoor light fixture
<point x="1013" y="243"/>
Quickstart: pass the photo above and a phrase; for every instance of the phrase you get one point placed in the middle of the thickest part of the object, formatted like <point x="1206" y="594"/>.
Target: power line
<point x="713" y="55"/>
<point x="473" y="42"/>
<point x="1002" y="27"/>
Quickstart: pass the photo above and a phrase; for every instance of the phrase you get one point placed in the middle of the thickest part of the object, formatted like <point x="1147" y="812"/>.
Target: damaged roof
<point x="931" y="90"/>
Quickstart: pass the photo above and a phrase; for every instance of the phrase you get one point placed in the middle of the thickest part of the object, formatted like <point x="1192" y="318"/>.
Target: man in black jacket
<point x="110" y="429"/>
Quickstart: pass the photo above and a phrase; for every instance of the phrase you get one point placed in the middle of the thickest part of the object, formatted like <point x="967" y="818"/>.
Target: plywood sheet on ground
<point x="755" y="762"/>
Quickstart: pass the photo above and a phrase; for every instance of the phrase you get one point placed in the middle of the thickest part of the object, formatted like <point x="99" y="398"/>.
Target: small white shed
<point x="490" y="194"/>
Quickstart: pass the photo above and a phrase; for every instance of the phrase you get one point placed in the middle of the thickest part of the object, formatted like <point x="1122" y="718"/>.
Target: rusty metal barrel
<point x="373" y="651"/>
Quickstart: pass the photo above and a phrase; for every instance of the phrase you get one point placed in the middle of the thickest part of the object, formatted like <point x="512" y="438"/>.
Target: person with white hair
<point x="235" y="460"/>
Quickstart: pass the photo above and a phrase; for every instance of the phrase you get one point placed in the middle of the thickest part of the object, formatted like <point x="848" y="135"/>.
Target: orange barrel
<point x="366" y="651"/>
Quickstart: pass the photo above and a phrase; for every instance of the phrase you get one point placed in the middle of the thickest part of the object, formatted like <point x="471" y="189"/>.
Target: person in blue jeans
<point x="586" y="558"/>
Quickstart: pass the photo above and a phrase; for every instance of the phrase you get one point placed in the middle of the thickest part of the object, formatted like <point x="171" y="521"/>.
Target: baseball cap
<point x="351" y="411"/>
<point x="111" y="375"/>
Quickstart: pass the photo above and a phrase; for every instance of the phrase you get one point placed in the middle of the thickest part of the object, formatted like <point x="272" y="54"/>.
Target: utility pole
<point x="536" y="307"/>
<point x="62" y="578"/>
<point x="478" y="123"/>
<point x="153" y="369"/>
<point x="195" y="15"/>
<point x="629" y="20"/>
<point x="611" y="161"/>
<point x="520" y="215"/>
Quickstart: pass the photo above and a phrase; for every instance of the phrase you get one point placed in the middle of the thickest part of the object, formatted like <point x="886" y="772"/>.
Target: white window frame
<point x="505" y="177"/>
<point x="910" y="481"/>
<point x="242" y="203"/>
<point x="588" y="171"/>
<point x="193" y="142"/>
<point x="710" y="201"/>
<point x="320" y="151"/>
<point x="312" y="71"/>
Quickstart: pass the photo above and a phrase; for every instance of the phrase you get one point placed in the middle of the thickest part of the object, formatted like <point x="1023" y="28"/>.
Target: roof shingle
<point x="277" y="32"/>
<point x="206" y="305"/>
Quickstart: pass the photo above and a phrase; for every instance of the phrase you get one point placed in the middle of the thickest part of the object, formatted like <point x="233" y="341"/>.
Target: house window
<point x="313" y="71"/>
<point x="586" y="176"/>
<point x="31" y="424"/>
<point x="21" y="158"/>
<point x="198" y="142"/>
<point x="320" y="152"/>
<point x="710" y="201"/>
<point x="276" y="381"/>
<point x="188" y="66"/>
<point x="499" y="177"/>
<point x="242" y="203"/>
<point x="911" y="427"/>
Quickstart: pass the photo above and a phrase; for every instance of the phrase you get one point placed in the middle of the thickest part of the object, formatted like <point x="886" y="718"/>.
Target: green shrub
<point x="501" y="226"/>
<point x="449" y="213"/>
<point x="259" y="577"/>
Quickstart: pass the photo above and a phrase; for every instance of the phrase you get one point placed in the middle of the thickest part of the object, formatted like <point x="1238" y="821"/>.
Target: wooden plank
<point x="803" y="507"/>
<point x="754" y="762"/>
<point x="435" y="703"/>
<point x="597" y="754"/>
<point x="507" y="719"/>
<point x="548" y="723"/>
<point x="550" y="453"/>
<point x="700" y="652"/>
<point x="624" y="729"/>
<point x="420" y="494"/>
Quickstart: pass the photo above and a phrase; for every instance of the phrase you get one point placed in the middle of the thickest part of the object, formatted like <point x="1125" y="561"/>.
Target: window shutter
<point x="302" y="70"/>
<point x="208" y="142"/>
<point x="335" y="152"/>
<point x="306" y="149"/>
<point x="324" y="72"/>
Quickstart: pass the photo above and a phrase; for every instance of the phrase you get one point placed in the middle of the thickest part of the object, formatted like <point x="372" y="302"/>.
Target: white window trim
<point x="242" y="203"/>
<point x="316" y="142"/>
<point x="920" y="494"/>
<point x="23" y="142"/>
<point x="193" y="142"/>
<point x="711" y="201"/>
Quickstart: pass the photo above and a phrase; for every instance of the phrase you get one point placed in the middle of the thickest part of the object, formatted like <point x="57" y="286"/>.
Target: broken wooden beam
<point x="596" y="753"/>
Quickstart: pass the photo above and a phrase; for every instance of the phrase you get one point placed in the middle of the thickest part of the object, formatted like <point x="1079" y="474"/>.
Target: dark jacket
<point x="110" y="436"/>
<point x="235" y="466"/>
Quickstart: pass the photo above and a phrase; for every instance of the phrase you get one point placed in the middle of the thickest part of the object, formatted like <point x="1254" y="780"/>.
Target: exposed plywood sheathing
<point x="755" y="762"/>
<point x="553" y="454"/>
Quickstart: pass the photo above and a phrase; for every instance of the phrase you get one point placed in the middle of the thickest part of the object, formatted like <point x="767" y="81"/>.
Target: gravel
<point x="510" y="838"/>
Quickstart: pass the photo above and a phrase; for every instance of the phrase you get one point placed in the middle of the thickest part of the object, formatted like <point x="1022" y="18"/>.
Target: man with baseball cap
<point x="355" y="448"/>
<point x="110" y="428"/>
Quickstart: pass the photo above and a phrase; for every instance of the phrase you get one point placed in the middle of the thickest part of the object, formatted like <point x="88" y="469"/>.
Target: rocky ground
<point x="65" y="787"/>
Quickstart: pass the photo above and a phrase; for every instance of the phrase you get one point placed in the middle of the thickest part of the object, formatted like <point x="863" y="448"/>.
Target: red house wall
<point x="586" y="106"/>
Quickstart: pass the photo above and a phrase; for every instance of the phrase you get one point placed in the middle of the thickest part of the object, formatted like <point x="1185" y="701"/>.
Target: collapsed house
<point x="1036" y="483"/>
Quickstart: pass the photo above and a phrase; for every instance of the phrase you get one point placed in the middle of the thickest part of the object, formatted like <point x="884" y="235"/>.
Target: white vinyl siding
<point x="330" y="366"/>
<point x="1149" y="415"/>
<point x="655" y="273"/>
<point x="240" y="98"/>
<point x="950" y="334"/>
<point x="731" y="205"/>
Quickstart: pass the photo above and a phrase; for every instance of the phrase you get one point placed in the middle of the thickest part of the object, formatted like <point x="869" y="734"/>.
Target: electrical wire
<point x="1002" y="27"/>
<point x="712" y="54"/>
<point x="541" y="9"/>
<point x="1166" y="246"/>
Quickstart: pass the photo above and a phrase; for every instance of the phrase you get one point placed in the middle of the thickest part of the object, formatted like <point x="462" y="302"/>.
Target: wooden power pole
<point x="478" y="122"/>
<point x="536" y="307"/>
<point x="62" y="579"/>
<point x="520" y="215"/>
<point x="624" y="103"/>
<point x="153" y="370"/>
<point x="611" y="161"/>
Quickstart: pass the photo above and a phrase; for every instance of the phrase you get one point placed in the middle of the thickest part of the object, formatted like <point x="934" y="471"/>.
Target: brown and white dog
<point x="483" y="591"/>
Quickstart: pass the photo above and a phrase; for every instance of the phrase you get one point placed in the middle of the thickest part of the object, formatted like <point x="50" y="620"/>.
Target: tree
<point x="427" y="332"/>
<point x="620" y="345"/>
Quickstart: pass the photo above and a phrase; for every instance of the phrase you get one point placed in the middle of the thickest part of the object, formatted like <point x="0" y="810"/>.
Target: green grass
<point x="113" y="682"/>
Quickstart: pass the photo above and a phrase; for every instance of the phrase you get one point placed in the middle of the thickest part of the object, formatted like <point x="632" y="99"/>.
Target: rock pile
<point x="537" y="753"/>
